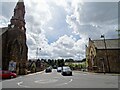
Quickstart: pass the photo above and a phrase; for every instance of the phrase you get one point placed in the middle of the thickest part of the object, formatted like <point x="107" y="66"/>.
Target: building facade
<point x="103" y="59"/>
<point x="14" y="47"/>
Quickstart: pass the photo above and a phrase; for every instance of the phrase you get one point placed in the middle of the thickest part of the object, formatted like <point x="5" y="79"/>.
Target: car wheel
<point x="11" y="77"/>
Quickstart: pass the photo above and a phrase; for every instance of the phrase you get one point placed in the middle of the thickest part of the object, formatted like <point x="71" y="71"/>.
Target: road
<point x="56" y="80"/>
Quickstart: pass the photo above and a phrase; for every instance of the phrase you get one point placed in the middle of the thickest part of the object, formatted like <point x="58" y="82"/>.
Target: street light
<point x="102" y="36"/>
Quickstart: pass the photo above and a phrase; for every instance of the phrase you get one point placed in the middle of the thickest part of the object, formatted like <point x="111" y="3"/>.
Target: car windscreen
<point x="66" y="68"/>
<point x="59" y="68"/>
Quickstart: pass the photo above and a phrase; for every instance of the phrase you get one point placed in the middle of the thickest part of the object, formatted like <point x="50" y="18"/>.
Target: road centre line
<point x="46" y="81"/>
<point x="19" y="84"/>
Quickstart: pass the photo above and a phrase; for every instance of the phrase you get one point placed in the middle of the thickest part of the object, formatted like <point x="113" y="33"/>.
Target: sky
<point x="61" y="28"/>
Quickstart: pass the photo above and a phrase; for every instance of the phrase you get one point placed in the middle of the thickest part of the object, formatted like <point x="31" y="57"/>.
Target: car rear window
<point x="5" y="72"/>
<point x="66" y="68"/>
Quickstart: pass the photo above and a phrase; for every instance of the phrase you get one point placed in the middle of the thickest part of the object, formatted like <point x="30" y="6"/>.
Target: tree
<point x="60" y="62"/>
<point x="83" y="60"/>
<point x="69" y="60"/>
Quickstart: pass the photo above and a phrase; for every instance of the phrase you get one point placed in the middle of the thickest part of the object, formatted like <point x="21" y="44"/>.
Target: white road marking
<point x="65" y="83"/>
<point x="56" y="77"/>
<point x="69" y="81"/>
<point x="46" y="81"/>
<point x="20" y="84"/>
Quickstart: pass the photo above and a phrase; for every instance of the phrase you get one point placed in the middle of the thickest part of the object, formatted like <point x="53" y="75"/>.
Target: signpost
<point x="12" y="66"/>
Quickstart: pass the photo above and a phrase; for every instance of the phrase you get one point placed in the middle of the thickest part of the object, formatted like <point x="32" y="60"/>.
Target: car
<point x="55" y="67"/>
<point x="49" y="69"/>
<point x="84" y="70"/>
<point x="66" y="71"/>
<point x="5" y="74"/>
<point x="59" y="69"/>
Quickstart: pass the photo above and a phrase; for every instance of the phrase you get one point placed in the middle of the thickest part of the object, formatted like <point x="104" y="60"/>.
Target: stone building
<point x="13" y="43"/>
<point x="101" y="59"/>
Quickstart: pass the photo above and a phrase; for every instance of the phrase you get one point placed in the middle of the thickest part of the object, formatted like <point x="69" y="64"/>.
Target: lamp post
<point x="37" y="52"/>
<point x="118" y="33"/>
<point x="102" y="36"/>
<point x="103" y="66"/>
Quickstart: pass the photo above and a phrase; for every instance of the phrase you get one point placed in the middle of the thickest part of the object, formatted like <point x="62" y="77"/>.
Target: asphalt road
<point x="56" y="80"/>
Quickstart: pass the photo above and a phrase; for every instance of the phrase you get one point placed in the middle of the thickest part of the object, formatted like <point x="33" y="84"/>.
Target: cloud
<point x="67" y="47"/>
<point x="61" y="29"/>
<point x="95" y="17"/>
<point x="3" y="21"/>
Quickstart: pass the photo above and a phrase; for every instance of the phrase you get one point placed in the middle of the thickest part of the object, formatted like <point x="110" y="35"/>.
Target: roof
<point x="110" y="44"/>
<point x="3" y="30"/>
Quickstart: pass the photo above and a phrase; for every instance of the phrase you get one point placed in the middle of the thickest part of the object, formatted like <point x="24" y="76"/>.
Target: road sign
<point x="12" y="66"/>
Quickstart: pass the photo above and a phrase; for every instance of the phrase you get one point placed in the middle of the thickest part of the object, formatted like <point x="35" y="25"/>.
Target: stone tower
<point x="17" y="19"/>
<point x="14" y="46"/>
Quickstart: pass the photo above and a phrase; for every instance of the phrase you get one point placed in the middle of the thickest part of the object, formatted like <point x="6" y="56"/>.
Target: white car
<point x="59" y="69"/>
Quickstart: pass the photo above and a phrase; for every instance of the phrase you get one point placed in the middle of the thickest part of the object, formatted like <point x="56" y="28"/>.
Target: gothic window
<point x="22" y="28"/>
<point x="12" y="26"/>
<point x="15" y="50"/>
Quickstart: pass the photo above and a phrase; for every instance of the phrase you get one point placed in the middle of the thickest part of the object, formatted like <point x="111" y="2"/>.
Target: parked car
<point x="66" y="71"/>
<point x="49" y="69"/>
<point x="84" y="70"/>
<point x="59" y="69"/>
<point x="5" y="74"/>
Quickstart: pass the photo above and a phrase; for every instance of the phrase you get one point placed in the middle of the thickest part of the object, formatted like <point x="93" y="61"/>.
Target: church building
<point x="14" y="47"/>
<point x="103" y="55"/>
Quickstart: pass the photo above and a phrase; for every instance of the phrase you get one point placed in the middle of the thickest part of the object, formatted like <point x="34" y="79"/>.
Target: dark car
<point x="5" y="74"/>
<point x="59" y="69"/>
<point x="49" y="69"/>
<point x="55" y="67"/>
<point x="66" y="71"/>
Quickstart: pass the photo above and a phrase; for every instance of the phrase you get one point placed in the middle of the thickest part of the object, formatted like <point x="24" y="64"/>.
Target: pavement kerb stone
<point x="112" y="74"/>
<point x="36" y="73"/>
<point x="32" y="73"/>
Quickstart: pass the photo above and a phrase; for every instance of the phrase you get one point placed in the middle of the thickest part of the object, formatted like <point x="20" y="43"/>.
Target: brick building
<point x="13" y="42"/>
<point x="103" y="59"/>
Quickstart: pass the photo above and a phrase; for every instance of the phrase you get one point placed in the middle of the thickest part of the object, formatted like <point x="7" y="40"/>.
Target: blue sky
<point x="61" y="28"/>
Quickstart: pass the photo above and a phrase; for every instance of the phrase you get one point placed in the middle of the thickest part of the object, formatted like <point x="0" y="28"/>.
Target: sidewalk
<point x="113" y="74"/>
<point x="35" y="73"/>
<point x="40" y="72"/>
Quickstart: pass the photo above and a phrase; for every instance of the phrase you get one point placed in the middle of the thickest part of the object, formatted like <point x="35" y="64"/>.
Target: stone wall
<point x="14" y="48"/>
<point x="113" y="58"/>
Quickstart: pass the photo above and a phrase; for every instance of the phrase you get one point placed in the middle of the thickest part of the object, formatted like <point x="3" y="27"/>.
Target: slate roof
<point x="110" y="43"/>
<point x="3" y="30"/>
